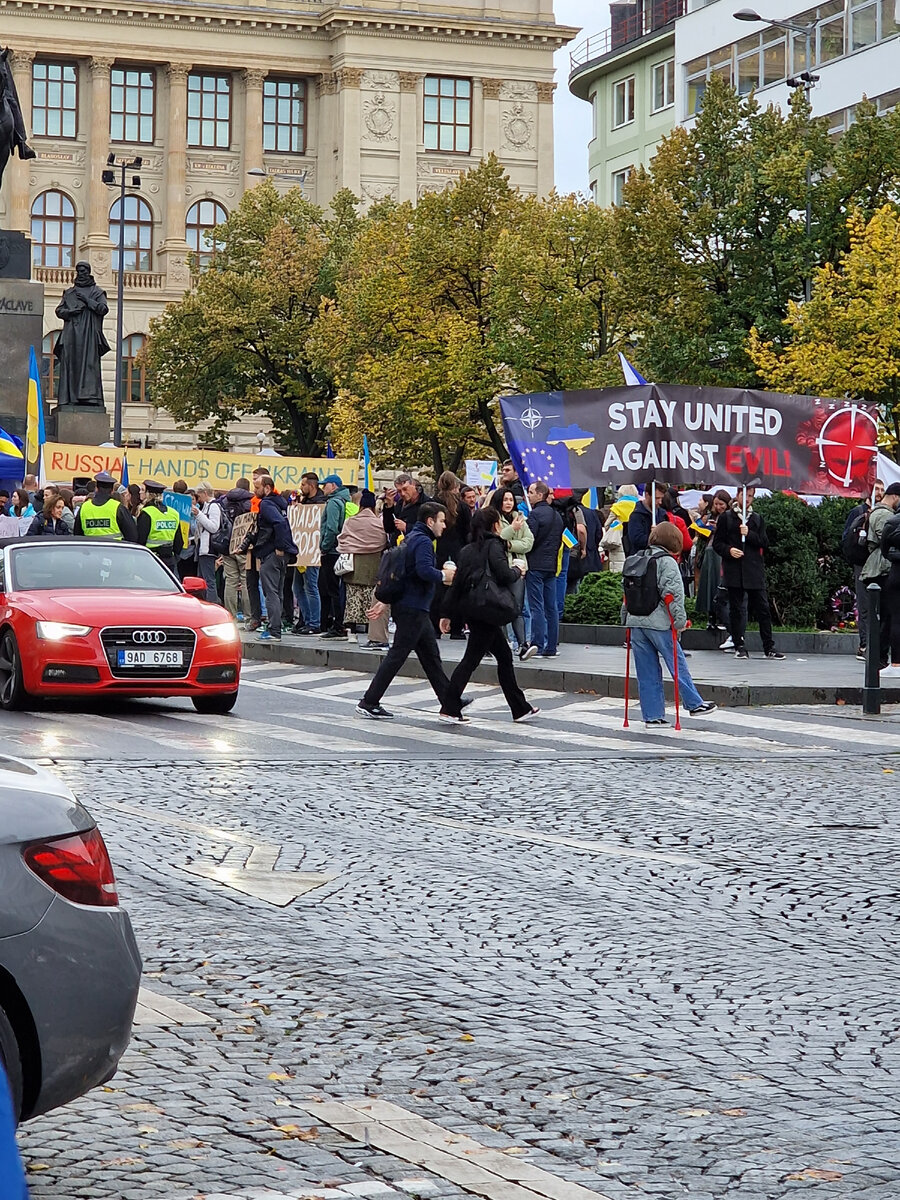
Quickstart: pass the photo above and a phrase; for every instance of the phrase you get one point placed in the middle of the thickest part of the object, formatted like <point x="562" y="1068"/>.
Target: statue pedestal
<point x="81" y="426"/>
<point x="21" y="327"/>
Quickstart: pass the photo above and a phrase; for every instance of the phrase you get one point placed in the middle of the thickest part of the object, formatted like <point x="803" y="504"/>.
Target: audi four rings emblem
<point x="148" y="636"/>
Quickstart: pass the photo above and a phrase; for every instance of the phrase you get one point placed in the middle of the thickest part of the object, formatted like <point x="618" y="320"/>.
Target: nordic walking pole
<point x="627" y="668"/>
<point x="667" y="600"/>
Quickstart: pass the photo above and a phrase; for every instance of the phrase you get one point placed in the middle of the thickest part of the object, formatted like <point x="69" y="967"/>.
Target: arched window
<point x="53" y="230"/>
<point x="138" y="234"/>
<point x="202" y="218"/>
<point x="134" y="390"/>
<point x="50" y="367"/>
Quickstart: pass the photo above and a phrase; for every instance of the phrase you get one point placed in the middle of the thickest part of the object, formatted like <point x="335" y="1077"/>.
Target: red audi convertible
<point x="81" y="617"/>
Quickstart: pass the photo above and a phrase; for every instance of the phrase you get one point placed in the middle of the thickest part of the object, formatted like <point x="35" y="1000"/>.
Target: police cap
<point x="152" y="485"/>
<point x="104" y="479"/>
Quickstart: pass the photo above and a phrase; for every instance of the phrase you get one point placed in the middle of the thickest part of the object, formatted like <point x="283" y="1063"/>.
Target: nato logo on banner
<point x="536" y="427"/>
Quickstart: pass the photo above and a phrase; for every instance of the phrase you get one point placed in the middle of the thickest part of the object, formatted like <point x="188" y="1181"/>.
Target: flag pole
<point x="653" y="503"/>
<point x="744" y="519"/>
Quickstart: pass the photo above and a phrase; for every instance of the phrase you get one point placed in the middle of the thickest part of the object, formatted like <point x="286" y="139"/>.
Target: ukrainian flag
<point x="34" y="429"/>
<point x="125" y="480"/>
<point x="569" y="539"/>
<point x="12" y="456"/>
<point x="368" y="473"/>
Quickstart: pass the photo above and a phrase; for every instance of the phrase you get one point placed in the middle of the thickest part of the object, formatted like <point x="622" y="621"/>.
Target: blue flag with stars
<point x="530" y="422"/>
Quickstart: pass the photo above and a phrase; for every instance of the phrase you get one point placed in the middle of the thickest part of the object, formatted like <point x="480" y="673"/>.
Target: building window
<point x="53" y="230"/>
<point x="284" y="116"/>
<point x="448" y="114"/>
<point x="209" y="111"/>
<point x="50" y="367"/>
<point x="202" y="218"/>
<point x="54" y="99"/>
<point x="618" y="181"/>
<point x="132" y="100"/>
<point x="138" y="234"/>
<point x="623" y="102"/>
<point x="663" y="85"/>
<point x="134" y="389"/>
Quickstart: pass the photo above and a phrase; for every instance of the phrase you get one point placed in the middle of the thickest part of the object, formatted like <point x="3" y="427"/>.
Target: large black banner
<point x="688" y="435"/>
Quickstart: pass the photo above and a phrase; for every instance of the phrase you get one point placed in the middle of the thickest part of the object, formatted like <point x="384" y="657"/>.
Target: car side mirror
<point x="194" y="586"/>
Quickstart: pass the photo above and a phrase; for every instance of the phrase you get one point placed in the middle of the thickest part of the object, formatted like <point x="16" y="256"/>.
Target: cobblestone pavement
<point x="667" y="977"/>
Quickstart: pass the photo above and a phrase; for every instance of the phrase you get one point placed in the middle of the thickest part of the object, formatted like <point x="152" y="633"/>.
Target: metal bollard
<point x="872" y="688"/>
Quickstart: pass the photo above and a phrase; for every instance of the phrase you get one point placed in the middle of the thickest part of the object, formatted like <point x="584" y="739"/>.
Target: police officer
<point x="102" y="516"/>
<point x="159" y="526"/>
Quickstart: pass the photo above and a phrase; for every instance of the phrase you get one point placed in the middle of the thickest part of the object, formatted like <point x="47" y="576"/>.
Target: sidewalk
<point x="800" y="679"/>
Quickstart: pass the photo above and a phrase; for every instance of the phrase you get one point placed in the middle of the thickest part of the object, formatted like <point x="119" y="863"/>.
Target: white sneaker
<point x="728" y="644"/>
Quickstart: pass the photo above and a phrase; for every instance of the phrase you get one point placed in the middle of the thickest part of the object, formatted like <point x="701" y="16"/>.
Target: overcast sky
<point x="573" y="117"/>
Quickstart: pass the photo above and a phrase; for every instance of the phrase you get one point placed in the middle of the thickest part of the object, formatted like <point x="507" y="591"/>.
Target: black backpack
<point x="640" y="584"/>
<point x="220" y="540"/>
<point x="390" y="580"/>
<point x="855" y="540"/>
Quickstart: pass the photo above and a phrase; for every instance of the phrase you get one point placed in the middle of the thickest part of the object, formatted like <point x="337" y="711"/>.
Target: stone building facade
<point x="388" y="99"/>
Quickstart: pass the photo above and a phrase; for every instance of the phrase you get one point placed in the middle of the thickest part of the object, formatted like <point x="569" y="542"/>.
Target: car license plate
<point x="150" y="658"/>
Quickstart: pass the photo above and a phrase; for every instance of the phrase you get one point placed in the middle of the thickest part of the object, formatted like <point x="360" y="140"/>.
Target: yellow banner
<point x="62" y="463"/>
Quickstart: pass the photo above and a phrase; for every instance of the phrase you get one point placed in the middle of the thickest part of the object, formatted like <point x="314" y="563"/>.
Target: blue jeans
<point x="541" y="590"/>
<point x="562" y="580"/>
<point x="649" y="646"/>
<point x="306" y="591"/>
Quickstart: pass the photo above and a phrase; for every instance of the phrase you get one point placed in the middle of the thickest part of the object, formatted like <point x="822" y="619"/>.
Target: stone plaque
<point x="15" y="255"/>
<point x="21" y="327"/>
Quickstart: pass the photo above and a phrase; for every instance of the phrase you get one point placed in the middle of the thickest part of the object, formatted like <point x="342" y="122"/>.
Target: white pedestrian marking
<point x="155" y="1009"/>
<point x="865" y="736"/>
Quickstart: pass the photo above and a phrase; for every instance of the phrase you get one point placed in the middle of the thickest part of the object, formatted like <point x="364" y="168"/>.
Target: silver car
<point x="69" y="965"/>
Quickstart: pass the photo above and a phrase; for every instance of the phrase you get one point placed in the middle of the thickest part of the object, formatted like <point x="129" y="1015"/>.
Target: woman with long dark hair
<point x="519" y="539"/>
<point x="480" y="594"/>
<point x="450" y="543"/>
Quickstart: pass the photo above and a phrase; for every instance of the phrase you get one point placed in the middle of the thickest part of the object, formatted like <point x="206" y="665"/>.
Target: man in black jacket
<point x="543" y="564"/>
<point x="400" y="512"/>
<point x="859" y="584"/>
<point x="272" y="544"/>
<point x="740" y="545"/>
<point x="236" y="503"/>
<point x="637" y="531"/>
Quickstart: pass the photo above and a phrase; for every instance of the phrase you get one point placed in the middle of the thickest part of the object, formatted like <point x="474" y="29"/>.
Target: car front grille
<point x="118" y="638"/>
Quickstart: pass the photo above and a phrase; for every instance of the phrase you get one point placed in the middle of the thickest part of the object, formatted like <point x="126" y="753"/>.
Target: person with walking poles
<point x="654" y="615"/>
<point x="411" y="610"/>
<point x="481" y="595"/>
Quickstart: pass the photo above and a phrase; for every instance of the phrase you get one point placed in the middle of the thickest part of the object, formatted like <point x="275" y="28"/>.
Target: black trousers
<point x="330" y="594"/>
<point x="889" y="625"/>
<point x="415" y="634"/>
<point x="758" y="600"/>
<point x="484" y="638"/>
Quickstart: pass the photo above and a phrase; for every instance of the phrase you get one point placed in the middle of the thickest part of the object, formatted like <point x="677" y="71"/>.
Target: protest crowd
<point x="492" y="568"/>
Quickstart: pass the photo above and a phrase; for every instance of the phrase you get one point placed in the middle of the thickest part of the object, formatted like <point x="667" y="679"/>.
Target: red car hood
<point x="118" y="606"/>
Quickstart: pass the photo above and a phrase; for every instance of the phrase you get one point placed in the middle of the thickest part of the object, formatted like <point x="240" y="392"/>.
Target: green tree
<point x="411" y="338"/>
<point x="846" y="340"/>
<point x="237" y="344"/>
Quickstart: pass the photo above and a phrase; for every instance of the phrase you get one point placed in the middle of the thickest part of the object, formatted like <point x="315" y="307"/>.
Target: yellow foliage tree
<point x="846" y="340"/>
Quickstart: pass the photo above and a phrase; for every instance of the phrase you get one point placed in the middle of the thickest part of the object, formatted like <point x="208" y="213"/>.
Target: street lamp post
<point x="807" y="81"/>
<point x="109" y="177"/>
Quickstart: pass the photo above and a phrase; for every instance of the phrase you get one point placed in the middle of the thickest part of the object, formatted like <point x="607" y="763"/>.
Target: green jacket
<point x="876" y="564"/>
<point x="334" y="514"/>
<point x="517" y="544"/>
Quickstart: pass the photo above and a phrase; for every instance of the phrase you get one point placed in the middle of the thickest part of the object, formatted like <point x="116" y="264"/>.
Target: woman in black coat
<point x="50" y="521"/>
<point x="485" y="554"/>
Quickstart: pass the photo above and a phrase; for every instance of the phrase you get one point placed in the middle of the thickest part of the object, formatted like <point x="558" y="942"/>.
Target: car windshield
<point x="82" y="565"/>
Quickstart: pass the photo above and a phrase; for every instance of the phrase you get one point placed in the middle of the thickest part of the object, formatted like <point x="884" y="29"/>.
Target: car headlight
<point x="55" y="631"/>
<point x="225" y="631"/>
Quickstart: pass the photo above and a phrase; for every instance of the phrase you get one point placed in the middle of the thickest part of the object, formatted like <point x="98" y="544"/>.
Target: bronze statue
<point x="81" y="344"/>
<point x="13" y="135"/>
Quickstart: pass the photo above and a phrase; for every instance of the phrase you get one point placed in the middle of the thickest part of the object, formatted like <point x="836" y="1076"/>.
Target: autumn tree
<point x="846" y="340"/>
<point x="237" y="344"/>
<point x="411" y="338"/>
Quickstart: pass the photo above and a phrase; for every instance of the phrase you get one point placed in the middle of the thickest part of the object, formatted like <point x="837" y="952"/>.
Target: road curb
<point x="346" y="657"/>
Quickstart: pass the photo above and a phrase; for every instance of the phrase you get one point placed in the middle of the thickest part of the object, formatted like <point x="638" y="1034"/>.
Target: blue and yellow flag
<point x="12" y="456"/>
<point x="569" y="539"/>
<point x="34" y="428"/>
<point x="125" y="479"/>
<point x="368" y="473"/>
